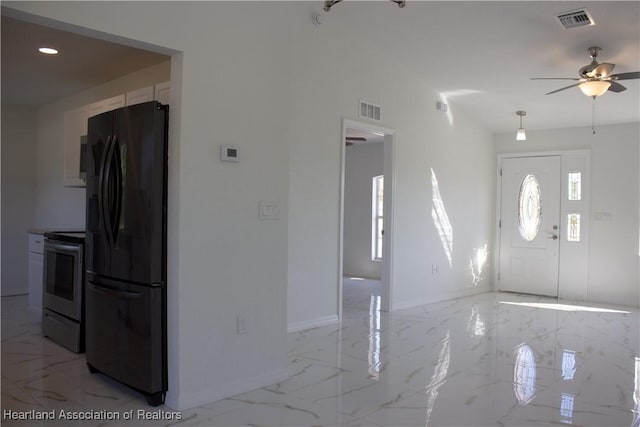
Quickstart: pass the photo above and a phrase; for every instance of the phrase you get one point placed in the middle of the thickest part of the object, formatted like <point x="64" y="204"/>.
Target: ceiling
<point x="30" y="78"/>
<point x="479" y="56"/>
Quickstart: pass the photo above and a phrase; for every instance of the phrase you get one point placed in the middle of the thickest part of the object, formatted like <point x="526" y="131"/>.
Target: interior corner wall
<point x="614" y="264"/>
<point x="18" y="194"/>
<point x="227" y="263"/>
<point x="329" y="77"/>
<point x="58" y="206"/>
<point x="362" y="163"/>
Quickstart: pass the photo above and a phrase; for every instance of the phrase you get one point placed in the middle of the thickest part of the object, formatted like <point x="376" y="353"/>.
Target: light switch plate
<point x="602" y="216"/>
<point x="268" y="210"/>
<point x="229" y="153"/>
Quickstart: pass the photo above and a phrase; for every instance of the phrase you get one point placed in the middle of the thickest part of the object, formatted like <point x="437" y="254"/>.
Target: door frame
<point x="573" y="258"/>
<point x="388" y="170"/>
<point x="548" y="173"/>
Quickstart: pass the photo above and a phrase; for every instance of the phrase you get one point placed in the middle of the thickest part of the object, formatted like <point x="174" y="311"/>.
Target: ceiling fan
<point x="595" y="78"/>
<point x="351" y="140"/>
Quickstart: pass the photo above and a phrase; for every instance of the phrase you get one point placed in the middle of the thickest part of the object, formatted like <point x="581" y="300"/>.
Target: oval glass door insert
<point x="529" y="208"/>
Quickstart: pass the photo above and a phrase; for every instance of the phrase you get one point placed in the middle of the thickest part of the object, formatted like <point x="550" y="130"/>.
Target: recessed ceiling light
<point x="48" y="50"/>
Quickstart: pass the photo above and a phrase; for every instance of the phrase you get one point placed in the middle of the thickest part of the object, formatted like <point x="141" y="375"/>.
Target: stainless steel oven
<point x="63" y="289"/>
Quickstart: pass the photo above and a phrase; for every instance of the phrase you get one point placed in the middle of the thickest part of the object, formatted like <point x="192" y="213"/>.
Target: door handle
<point x="118" y="293"/>
<point x="117" y="164"/>
<point x="554" y="237"/>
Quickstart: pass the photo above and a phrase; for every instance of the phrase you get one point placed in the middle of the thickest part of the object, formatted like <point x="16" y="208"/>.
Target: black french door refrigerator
<point x="126" y="246"/>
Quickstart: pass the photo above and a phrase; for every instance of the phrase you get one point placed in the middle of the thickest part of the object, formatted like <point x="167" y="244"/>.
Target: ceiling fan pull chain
<point x="593" y="116"/>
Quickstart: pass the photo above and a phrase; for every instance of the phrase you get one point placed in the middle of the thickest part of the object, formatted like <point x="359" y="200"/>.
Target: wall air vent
<point x="369" y="111"/>
<point x="575" y="18"/>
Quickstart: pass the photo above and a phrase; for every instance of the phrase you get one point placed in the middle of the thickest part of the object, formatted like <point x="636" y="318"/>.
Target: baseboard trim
<point x="313" y="323"/>
<point x="185" y="401"/>
<point x="453" y="295"/>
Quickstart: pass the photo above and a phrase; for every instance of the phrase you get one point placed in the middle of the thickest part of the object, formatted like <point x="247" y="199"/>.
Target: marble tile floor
<point x="489" y="360"/>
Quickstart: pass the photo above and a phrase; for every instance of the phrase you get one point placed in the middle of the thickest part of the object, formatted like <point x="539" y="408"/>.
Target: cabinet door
<point x="35" y="282"/>
<point x="162" y="92"/>
<point x="139" y="96"/>
<point x="106" y="105"/>
<point x="75" y="128"/>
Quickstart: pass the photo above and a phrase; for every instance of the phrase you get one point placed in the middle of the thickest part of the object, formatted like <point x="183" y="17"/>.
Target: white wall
<point x="58" y="206"/>
<point x="230" y="84"/>
<point x="362" y="163"/>
<point x="18" y="194"/>
<point x="613" y="245"/>
<point x="328" y="78"/>
<point x="262" y="77"/>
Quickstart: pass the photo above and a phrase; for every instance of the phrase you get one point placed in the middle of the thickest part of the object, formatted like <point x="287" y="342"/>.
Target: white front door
<point x="530" y="217"/>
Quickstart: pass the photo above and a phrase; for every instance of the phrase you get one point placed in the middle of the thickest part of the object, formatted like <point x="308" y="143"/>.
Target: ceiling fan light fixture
<point x="594" y="87"/>
<point x="520" y="134"/>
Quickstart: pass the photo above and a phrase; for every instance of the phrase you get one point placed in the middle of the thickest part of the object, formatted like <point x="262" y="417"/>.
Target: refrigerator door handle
<point x="108" y="191"/>
<point x="116" y="292"/>
<point x="117" y="208"/>
<point x="103" y="200"/>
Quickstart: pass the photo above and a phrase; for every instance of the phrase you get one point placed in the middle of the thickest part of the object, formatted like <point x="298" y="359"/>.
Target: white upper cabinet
<point x="75" y="125"/>
<point x="162" y="91"/>
<point x="139" y="96"/>
<point x="106" y="105"/>
<point x="75" y="131"/>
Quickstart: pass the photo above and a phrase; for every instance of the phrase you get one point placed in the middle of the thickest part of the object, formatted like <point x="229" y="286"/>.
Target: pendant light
<point x="521" y="135"/>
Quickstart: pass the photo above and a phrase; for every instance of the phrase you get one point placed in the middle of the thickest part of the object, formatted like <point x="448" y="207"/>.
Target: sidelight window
<point x="573" y="227"/>
<point x="575" y="185"/>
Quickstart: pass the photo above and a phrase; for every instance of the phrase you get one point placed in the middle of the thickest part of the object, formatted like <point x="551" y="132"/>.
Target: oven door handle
<point x="61" y="247"/>
<point x="116" y="292"/>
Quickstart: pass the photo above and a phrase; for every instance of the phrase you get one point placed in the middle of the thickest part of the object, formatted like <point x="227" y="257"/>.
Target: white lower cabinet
<point x="36" y="263"/>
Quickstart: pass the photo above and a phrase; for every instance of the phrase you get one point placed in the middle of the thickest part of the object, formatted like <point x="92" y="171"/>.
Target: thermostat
<point x="229" y="153"/>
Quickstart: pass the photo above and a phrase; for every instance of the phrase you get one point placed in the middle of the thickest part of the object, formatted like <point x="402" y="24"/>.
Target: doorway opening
<point x="366" y="218"/>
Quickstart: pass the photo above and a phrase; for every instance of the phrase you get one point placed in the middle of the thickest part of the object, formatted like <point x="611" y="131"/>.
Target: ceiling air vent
<point x="575" y="18"/>
<point x="369" y="111"/>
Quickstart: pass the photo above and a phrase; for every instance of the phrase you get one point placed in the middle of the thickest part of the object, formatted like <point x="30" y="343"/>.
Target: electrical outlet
<point x="241" y="325"/>
<point x="434" y="268"/>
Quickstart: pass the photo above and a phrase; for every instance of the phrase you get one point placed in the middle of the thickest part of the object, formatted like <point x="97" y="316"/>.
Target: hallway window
<point x="377" y="210"/>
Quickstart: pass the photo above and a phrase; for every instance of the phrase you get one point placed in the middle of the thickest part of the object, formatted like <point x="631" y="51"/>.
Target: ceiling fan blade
<point x="601" y="70"/>
<point x="562" y="88"/>
<point x="587" y="69"/>
<point x="616" y="87"/>
<point x="351" y="140"/>
<point x="626" y="76"/>
<point x="553" y="78"/>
